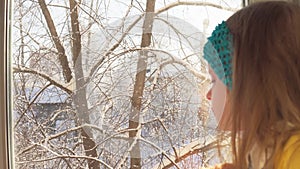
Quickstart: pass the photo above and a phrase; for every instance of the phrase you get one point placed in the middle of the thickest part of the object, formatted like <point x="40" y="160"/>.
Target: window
<point x="104" y="84"/>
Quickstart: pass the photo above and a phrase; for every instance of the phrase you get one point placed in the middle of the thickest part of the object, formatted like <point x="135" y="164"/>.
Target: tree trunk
<point x="134" y="117"/>
<point x="80" y="100"/>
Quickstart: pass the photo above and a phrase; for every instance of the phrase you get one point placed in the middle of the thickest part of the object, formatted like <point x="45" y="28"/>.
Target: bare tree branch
<point x="64" y="157"/>
<point x="181" y="3"/>
<point x="190" y="149"/>
<point x="76" y="37"/>
<point x="172" y="162"/>
<point x="45" y="76"/>
<point x="110" y="50"/>
<point x="173" y="59"/>
<point x="31" y="102"/>
<point x="62" y="57"/>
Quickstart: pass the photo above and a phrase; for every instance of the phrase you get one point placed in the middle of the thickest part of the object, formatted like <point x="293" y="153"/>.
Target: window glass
<point x="113" y="84"/>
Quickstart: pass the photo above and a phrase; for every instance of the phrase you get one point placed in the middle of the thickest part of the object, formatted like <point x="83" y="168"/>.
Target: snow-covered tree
<point x="110" y="84"/>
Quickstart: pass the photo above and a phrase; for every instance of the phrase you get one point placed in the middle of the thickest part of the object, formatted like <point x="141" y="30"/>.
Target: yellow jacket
<point x="289" y="158"/>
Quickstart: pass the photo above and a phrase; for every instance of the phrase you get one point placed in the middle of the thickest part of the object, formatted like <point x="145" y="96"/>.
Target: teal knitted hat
<point x="218" y="52"/>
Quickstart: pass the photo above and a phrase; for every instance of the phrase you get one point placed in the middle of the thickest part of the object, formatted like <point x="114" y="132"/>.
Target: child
<point x="255" y="54"/>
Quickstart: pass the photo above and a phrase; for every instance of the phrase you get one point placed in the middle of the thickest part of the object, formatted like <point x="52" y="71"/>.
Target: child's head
<point x="265" y="63"/>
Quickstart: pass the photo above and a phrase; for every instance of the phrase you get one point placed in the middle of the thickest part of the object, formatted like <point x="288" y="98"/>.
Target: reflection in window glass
<point x="103" y="84"/>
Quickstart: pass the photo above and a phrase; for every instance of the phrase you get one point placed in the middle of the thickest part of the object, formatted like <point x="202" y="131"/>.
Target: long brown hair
<point x="265" y="96"/>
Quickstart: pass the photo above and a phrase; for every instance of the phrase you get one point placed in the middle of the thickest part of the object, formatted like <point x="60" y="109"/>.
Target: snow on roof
<point x="51" y="94"/>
